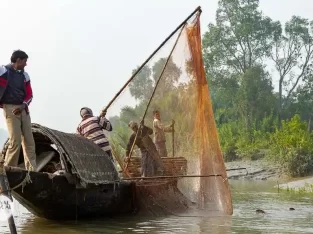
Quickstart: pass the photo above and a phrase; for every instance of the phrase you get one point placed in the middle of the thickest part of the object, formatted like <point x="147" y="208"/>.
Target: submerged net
<point x="174" y="83"/>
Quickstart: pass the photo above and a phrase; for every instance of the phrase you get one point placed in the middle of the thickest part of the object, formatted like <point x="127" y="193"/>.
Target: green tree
<point x="233" y="48"/>
<point x="240" y="39"/>
<point x="292" y="55"/>
<point x="170" y="75"/>
<point x="255" y="99"/>
<point x="223" y="92"/>
<point x="301" y="101"/>
<point x="142" y="85"/>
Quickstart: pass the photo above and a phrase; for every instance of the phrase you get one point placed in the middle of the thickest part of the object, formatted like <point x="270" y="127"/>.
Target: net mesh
<point x="174" y="83"/>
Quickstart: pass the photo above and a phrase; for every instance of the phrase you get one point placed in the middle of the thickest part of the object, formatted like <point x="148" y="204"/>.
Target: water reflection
<point x="247" y="198"/>
<point x="171" y="224"/>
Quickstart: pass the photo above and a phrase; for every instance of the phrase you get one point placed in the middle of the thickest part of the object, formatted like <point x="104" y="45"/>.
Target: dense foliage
<point x="292" y="146"/>
<point x="260" y="74"/>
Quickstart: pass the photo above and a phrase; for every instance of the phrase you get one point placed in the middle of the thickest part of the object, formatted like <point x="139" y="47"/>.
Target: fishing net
<point x="173" y="82"/>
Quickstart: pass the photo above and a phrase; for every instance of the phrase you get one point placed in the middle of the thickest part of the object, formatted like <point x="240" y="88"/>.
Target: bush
<point x="240" y="143"/>
<point x="228" y="134"/>
<point x="292" y="147"/>
<point x="251" y="144"/>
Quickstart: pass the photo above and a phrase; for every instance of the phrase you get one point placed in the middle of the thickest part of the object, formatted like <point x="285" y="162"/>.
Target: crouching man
<point x="150" y="160"/>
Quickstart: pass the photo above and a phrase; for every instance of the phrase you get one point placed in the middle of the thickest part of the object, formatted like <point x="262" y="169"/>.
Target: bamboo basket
<point x="173" y="166"/>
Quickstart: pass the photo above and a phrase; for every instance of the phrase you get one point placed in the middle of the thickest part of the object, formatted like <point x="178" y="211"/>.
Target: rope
<point x="26" y="180"/>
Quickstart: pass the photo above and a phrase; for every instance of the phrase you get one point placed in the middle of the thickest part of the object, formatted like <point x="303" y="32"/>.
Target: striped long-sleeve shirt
<point x="92" y="128"/>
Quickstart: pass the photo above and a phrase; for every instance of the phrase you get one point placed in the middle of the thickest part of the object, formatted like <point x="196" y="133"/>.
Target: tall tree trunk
<point x="309" y="125"/>
<point x="280" y="106"/>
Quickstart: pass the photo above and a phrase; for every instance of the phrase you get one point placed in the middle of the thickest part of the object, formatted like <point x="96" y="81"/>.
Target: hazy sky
<point x="82" y="52"/>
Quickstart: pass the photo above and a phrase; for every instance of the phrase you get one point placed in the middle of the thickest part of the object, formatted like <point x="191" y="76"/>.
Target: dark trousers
<point x="148" y="165"/>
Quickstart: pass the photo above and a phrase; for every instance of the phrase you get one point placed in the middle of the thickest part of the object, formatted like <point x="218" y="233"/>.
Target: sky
<point x="82" y="52"/>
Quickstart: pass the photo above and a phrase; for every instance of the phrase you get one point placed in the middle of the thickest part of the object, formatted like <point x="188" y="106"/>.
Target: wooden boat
<point x="75" y="179"/>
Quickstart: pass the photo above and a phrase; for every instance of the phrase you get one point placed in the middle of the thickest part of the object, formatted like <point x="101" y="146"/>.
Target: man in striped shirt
<point x="92" y="128"/>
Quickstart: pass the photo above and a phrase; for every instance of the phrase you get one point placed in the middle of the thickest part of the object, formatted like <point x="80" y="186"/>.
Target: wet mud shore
<point x="263" y="170"/>
<point x="255" y="170"/>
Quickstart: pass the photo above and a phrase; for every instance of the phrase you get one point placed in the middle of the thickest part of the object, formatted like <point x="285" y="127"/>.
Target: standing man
<point x="159" y="133"/>
<point x="15" y="97"/>
<point x="92" y="128"/>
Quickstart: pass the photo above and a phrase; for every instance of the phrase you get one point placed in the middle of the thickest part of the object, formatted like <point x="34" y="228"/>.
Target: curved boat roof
<point x="80" y="156"/>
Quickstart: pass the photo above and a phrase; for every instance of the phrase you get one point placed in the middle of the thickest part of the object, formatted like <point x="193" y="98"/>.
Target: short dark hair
<point x="156" y="111"/>
<point x="18" y="54"/>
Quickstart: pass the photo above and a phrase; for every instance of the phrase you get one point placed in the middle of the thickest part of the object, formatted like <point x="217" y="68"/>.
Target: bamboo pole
<point x="173" y="138"/>
<point x="236" y="169"/>
<point x="119" y="162"/>
<point x="171" y="177"/>
<point x="148" y="59"/>
<point x="5" y="191"/>
<point x="184" y="176"/>
<point x="131" y="150"/>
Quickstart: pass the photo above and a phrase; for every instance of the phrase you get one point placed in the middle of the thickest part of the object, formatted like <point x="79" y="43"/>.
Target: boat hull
<point x="55" y="197"/>
<point x="161" y="197"/>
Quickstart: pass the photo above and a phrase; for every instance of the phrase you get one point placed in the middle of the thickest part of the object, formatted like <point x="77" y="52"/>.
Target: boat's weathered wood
<point x="76" y="154"/>
<point x="83" y="157"/>
<point x="61" y="196"/>
<point x="53" y="197"/>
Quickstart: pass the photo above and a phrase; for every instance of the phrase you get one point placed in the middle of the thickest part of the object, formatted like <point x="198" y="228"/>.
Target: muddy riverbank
<point x="298" y="185"/>
<point x="263" y="170"/>
<point x="255" y="170"/>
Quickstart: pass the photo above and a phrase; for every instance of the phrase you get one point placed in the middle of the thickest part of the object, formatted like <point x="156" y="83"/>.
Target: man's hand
<point x="103" y="113"/>
<point x="18" y="111"/>
<point x="126" y="158"/>
<point x="173" y="122"/>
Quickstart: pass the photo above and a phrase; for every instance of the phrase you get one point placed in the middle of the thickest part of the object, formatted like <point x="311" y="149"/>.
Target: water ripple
<point x="247" y="197"/>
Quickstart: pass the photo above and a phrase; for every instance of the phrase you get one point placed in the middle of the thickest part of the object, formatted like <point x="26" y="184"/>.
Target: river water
<point x="247" y="197"/>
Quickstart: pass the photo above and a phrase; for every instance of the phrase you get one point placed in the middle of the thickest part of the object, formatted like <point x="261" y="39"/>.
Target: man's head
<point x="156" y="114"/>
<point x="85" y="112"/>
<point x="133" y="125"/>
<point x="19" y="59"/>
